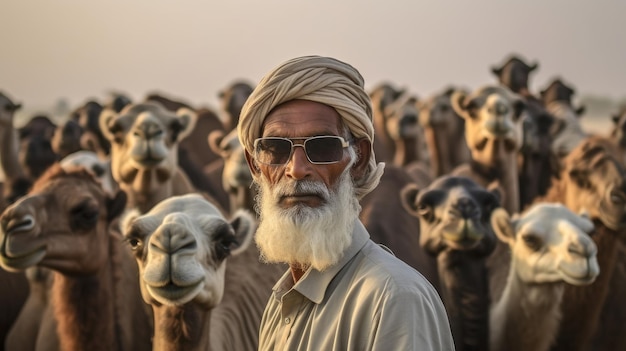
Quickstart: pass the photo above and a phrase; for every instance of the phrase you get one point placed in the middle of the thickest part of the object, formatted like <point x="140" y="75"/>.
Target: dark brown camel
<point x="68" y="224"/>
<point x="454" y="214"/>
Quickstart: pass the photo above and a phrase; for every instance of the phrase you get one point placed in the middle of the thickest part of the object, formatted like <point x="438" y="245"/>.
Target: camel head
<point x="558" y="90"/>
<point x="7" y="109"/>
<point x="232" y="99"/>
<point x="437" y="112"/>
<point x="514" y="73"/>
<point x="66" y="138"/>
<point x="618" y="133"/>
<point x="567" y="131"/>
<point x="549" y="243"/>
<point x="90" y="161"/>
<point x="62" y="224"/>
<point x="382" y="96"/>
<point x="593" y="179"/>
<point x="145" y="137"/>
<point x="454" y="214"/>
<point x="490" y="113"/>
<point x="181" y="246"/>
<point x="236" y="173"/>
<point x="35" y="152"/>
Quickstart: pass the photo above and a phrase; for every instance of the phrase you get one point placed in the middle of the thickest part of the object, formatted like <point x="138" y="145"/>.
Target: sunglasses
<point x="319" y="150"/>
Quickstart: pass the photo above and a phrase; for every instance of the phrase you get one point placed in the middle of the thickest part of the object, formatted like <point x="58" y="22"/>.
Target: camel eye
<point x="134" y="243"/>
<point x="532" y="241"/>
<point x="425" y="212"/>
<point x="616" y="198"/>
<point x="83" y="217"/>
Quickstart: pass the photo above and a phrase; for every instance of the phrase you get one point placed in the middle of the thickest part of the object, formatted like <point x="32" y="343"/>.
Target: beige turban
<point x="320" y="79"/>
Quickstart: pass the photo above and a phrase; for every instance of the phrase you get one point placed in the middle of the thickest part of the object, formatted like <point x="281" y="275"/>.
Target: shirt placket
<point x="289" y="311"/>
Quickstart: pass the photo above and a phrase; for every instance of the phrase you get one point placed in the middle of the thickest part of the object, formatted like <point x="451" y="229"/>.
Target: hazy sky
<point x="192" y="48"/>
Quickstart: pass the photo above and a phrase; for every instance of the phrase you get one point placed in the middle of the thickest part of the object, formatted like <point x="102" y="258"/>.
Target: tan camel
<point x="181" y="247"/>
<point x="144" y="151"/>
<point x="618" y="131"/>
<point x="593" y="180"/>
<point x="550" y="247"/>
<point x="67" y="224"/>
<point x="444" y="131"/>
<point x="454" y="217"/>
<point x="236" y="176"/>
<point x="493" y="130"/>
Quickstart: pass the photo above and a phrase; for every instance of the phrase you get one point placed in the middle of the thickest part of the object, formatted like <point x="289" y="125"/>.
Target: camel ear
<point x="496" y="70"/>
<point x="214" y="139"/>
<point x="580" y="111"/>
<point x="108" y="125"/>
<point x="116" y="205"/>
<point x="244" y="225"/>
<point x="183" y="126"/>
<point x="502" y="225"/>
<point x="533" y="67"/>
<point x="408" y="197"/>
<point x="459" y="104"/>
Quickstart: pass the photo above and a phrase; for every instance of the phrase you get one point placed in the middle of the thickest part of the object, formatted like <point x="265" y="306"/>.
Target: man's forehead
<point x="303" y="118"/>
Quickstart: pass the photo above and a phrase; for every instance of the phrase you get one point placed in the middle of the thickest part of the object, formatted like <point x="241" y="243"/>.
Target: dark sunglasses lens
<point x="326" y="149"/>
<point x="273" y="151"/>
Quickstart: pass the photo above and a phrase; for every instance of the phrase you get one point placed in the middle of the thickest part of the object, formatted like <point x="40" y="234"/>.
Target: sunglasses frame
<point x="344" y="144"/>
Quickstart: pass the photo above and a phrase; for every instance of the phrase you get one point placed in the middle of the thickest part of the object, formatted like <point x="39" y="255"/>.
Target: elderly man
<point x="307" y="131"/>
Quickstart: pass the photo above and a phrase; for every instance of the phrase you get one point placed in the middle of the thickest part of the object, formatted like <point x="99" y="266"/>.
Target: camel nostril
<point x="22" y="224"/>
<point x="466" y="208"/>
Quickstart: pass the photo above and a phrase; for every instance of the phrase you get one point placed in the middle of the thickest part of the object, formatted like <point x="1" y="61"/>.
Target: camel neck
<point x="527" y="315"/>
<point x="178" y="328"/>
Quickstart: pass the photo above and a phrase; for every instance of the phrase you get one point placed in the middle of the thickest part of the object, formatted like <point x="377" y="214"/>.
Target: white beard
<point x="304" y="236"/>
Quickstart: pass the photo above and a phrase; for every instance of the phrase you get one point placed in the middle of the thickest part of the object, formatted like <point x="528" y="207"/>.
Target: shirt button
<point x="287" y="320"/>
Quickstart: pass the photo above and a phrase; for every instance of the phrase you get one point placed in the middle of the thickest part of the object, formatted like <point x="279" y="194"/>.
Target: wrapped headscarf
<point x="321" y="79"/>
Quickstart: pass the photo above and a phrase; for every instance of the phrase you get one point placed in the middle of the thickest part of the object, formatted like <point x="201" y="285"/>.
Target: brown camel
<point x="236" y="176"/>
<point x="392" y="125"/>
<point x="444" y="131"/>
<point x="593" y="180"/>
<point x="454" y="217"/>
<point x="550" y="247"/>
<point x="493" y="132"/>
<point x="567" y="131"/>
<point x="232" y="99"/>
<point x="618" y="132"/>
<point x="181" y="247"/>
<point x="67" y="224"/>
<point x="557" y="90"/>
<point x="144" y="151"/>
<point x="514" y="73"/>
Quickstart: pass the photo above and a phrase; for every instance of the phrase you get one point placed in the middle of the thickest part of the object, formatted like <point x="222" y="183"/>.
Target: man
<point x="307" y="132"/>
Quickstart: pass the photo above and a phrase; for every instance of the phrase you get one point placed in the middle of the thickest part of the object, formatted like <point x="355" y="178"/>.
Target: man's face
<point x="307" y="210"/>
<point x="302" y="119"/>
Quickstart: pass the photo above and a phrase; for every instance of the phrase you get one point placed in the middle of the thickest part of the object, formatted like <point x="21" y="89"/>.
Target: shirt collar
<point x="313" y="283"/>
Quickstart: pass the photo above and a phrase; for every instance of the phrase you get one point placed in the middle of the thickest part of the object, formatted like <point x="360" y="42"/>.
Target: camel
<point x="567" y="131"/>
<point x="144" y="151"/>
<point x="89" y="160"/>
<point x="441" y="126"/>
<point x="232" y="99"/>
<point x="618" y="131"/>
<point x="454" y="217"/>
<point x="181" y="247"/>
<point x="493" y="132"/>
<point x="535" y="166"/>
<point x="402" y="133"/>
<point x="593" y="180"/>
<point x="68" y="224"/>
<point x="236" y="176"/>
<point x="550" y="247"/>
<point x="92" y="138"/>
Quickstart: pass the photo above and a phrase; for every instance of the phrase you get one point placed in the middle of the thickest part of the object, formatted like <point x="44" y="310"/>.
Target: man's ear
<point x="254" y="168"/>
<point x="364" y="153"/>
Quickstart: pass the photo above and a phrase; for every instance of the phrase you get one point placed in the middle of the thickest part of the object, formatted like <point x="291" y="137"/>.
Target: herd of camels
<point x="130" y="225"/>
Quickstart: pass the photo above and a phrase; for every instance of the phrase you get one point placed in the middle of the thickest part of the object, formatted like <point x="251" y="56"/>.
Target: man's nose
<point x="298" y="167"/>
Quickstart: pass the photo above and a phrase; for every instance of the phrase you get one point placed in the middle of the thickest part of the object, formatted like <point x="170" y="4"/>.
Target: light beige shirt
<point x="370" y="300"/>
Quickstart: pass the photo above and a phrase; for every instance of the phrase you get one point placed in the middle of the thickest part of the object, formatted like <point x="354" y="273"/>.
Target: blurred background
<point x="58" y="54"/>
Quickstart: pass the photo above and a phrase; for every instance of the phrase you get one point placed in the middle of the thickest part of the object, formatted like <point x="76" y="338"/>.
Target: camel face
<point x="454" y="213"/>
<point x="181" y="246"/>
<point x="144" y="137"/>
<point x="402" y="119"/>
<point x="491" y="114"/>
<point x="557" y="90"/>
<point x="236" y="173"/>
<point x="549" y="243"/>
<point x="437" y="112"/>
<point x="61" y="224"/>
<point x="514" y="74"/>
<point x="595" y="181"/>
